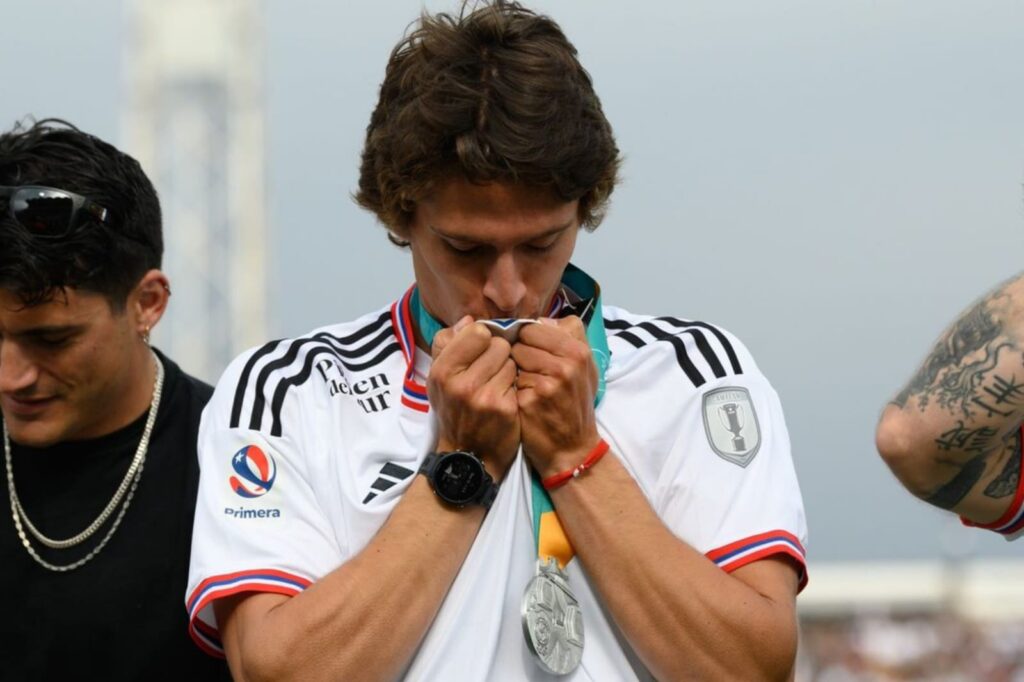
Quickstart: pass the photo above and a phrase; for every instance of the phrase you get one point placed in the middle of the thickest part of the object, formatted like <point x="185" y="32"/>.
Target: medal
<point x="507" y="329"/>
<point x="552" y="620"/>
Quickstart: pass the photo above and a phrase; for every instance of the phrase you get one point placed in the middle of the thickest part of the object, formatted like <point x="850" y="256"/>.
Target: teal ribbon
<point x="427" y="324"/>
<point x="590" y="312"/>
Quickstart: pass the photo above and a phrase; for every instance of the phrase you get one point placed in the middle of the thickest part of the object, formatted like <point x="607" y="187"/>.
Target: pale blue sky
<point x="831" y="180"/>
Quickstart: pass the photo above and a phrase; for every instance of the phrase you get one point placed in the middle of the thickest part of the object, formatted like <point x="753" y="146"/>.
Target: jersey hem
<point x="205" y="634"/>
<point x="1012" y="521"/>
<point x="761" y="546"/>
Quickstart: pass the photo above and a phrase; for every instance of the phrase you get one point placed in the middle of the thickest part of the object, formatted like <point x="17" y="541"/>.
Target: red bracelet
<point x="555" y="480"/>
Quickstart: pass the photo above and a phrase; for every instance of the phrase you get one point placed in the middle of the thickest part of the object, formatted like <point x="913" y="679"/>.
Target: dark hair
<point x="496" y="94"/>
<point x="105" y="258"/>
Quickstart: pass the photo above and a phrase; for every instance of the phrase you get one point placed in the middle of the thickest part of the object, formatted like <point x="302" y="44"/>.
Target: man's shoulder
<point x="366" y="333"/>
<point x="304" y="371"/>
<point x="678" y="350"/>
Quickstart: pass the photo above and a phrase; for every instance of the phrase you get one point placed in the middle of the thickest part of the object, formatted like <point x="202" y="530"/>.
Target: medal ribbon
<point x="551" y="539"/>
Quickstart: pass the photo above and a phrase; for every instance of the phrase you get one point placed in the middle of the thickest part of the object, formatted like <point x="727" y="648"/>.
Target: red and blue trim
<point x="414" y="394"/>
<point x="1012" y="521"/>
<point x="203" y="632"/>
<point x="756" y="547"/>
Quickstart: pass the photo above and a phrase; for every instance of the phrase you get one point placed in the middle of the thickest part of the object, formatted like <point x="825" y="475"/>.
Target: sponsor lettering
<point x="241" y="513"/>
<point x="372" y="394"/>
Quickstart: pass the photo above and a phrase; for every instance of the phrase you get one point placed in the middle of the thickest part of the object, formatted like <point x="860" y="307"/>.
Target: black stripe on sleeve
<point x="631" y="338"/>
<point x="682" y="357"/>
<point x="354" y="352"/>
<point x="243" y="381"/>
<point x="729" y="350"/>
<point x="276" y="428"/>
<point x="375" y="360"/>
<point x="260" y="398"/>
<point x="265" y="374"/>
<point x="383" y="318"/>
<point x="707" y="351"/>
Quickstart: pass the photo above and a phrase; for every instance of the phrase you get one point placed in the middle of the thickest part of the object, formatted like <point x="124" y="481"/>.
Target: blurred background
<point x="831" y="180"/>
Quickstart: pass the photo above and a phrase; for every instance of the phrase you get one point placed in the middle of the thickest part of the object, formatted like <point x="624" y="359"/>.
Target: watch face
<point x="458" y="478"/>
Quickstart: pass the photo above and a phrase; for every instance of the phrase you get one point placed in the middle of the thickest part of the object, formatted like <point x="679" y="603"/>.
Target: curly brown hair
<point x="495" y="94"/>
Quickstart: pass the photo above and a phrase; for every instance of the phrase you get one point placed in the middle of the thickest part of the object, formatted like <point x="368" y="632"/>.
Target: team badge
<point x="731" y="424"/>
<point x="255" y="472"/>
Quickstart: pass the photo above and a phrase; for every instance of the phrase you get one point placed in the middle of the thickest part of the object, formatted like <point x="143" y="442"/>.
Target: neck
<point x="137" y="391"/>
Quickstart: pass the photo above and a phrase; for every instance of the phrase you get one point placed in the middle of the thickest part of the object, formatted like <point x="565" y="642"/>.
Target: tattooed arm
<point x="952" y="435"/>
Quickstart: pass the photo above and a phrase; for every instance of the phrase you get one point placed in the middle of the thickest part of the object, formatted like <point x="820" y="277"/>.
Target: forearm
<point x="685" y="617"/>
<point x="951" y="434"/>
<point x="389" y="592"/>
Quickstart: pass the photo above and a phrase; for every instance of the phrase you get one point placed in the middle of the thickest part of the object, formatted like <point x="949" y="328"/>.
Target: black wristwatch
<point x="459" y="478"/>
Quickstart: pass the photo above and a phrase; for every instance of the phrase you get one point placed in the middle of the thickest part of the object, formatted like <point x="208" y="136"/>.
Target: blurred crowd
<point x="940" y="647"/>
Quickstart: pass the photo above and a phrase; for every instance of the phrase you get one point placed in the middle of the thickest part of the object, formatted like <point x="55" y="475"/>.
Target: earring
<point x="145" y="335"/>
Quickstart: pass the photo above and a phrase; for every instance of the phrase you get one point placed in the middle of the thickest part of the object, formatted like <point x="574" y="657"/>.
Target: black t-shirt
<point x="122" y="615"/>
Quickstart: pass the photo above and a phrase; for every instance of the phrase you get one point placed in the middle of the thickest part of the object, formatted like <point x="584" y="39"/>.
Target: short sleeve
<point x="258" y="526"/>
<point x="729" y="487"/>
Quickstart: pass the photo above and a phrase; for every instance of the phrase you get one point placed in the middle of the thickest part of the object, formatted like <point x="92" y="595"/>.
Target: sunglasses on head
<point x="48" y="212"/>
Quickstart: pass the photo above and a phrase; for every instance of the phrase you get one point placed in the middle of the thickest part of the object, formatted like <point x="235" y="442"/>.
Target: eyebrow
<point x="469" y="240"/>
<point x="50" y="330"/>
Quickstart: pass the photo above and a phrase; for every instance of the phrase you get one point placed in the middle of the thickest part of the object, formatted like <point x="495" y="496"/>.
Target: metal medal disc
<point x="507" y="329"/>
<point x="552" y="621"/>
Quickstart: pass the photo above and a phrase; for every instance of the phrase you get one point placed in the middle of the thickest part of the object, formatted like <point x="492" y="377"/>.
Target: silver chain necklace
<point x="128" y="485"/>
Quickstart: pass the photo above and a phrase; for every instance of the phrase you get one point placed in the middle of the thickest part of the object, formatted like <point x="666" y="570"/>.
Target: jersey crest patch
<point x="731" y="424"/>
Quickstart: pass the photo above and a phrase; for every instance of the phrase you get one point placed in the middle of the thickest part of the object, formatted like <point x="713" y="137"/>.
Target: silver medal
<point x="552" y="620"/>
<point x="508" y="328"/>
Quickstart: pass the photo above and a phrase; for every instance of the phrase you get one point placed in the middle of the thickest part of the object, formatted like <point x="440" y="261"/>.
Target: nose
<point x="17" y="371"/>
<point x="504" y="287"/>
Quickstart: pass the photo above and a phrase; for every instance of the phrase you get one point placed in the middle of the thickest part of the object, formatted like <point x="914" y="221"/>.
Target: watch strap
<point x="488" y="489"/>
<point x="429" y="465"/>
<point x="489" y="492"/>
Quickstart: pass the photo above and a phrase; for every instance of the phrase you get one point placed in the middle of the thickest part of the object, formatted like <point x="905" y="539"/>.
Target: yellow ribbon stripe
<point x="552" y="541"/>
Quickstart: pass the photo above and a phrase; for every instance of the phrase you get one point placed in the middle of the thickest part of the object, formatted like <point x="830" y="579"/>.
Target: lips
<point x="25" y="408"/>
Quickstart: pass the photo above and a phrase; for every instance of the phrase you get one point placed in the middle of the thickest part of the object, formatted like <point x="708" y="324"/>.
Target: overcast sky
<point x="831" y="180"/>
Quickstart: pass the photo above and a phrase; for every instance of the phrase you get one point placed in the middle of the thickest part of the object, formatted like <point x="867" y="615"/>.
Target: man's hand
<point x="472" y="391"/>
<point x="555" y="390"/>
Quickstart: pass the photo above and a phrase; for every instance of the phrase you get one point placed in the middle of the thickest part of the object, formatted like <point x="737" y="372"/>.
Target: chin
<point x="34" y="434"/>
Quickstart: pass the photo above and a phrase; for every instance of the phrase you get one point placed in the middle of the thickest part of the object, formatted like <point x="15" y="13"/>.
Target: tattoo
<point x="976" y="441"/>
<point x="1003" y="392"/>
<point x="967" y="440"/>
<point x="949" y="495"/>
<point x="957" y="366"/>
<point x="1007" y="482"/>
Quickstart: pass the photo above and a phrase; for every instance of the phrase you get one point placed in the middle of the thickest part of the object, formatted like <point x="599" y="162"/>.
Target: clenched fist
<point x="472" y="389"/>
<point x="555" y="393"/>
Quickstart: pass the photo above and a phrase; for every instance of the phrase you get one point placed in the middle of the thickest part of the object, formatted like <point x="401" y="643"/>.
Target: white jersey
<point x="308" y="444"/>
